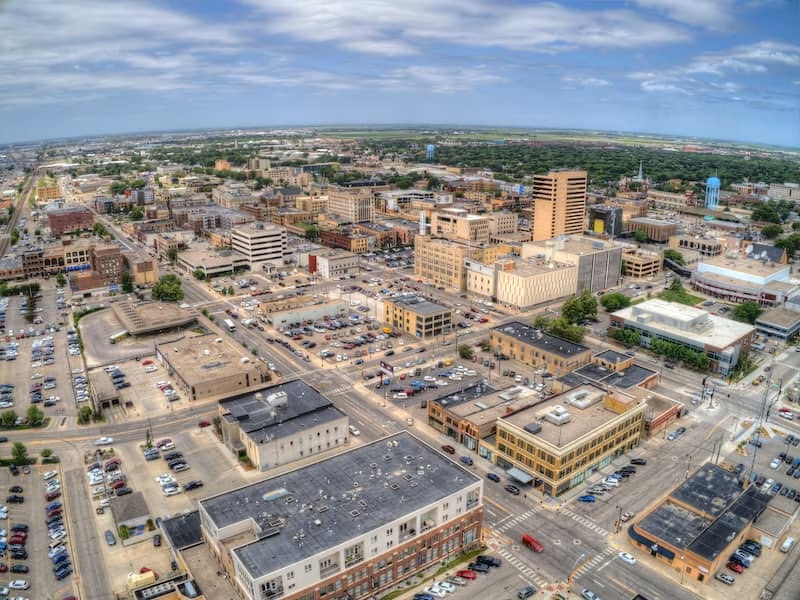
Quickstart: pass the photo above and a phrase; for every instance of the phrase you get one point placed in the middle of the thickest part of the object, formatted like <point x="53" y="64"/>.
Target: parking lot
<point x="35" y="548"/>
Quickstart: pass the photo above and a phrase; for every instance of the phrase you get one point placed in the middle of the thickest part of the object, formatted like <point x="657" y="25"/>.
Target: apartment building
<point x="352" y="205"/>
<point x="106" y="261"/>
<point x="351" y="526"/>
<point x="69" y="218"/>
<point x="232" y="194"/>
<point x="417" y="317"/>
<point x="264" y="246"/>
<point x="347" y="239"/>
<point x="563" y="440"/>
<point x="559" y="204"/>
<point x="538" y="349"/>
<point x="441" y="262"/>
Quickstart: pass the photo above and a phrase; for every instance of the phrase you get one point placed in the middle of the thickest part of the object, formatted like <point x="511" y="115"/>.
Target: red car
<point x="467" y="574"/>
<point x="52" y="496"/>
<point x="735" y="567"/>
<point x="117" y="484"/>
<point x="148" y="570"/>
<point x="204" y="423"/>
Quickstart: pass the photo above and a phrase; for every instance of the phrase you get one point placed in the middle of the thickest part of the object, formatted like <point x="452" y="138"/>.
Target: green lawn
<point x="681" y="297"/>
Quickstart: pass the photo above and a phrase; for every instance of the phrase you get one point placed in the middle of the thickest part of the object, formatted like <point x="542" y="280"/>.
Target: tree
<point x="35" y="416"/>
<point x="172" y="255"/>
<point x="117" y="187"/>
<point x="84" y="415"/>
<point x="562" y="328"/>
<point x="199" y="274"/>
<point x="465" y="351"/>
<point x="626" y="336"/>
<point x="312" y="233"/>
<point x="136" y="214"/>
<point x="168" y="289"/>
<point x="746" y="312"/>
<point x="61" y="281"/>
<point x="615" y="301"/>
<point x="674" y="256"/>
<point x="19" y="453"/>
<point x="579" y="308"/>
<point x="99" y="230"/>
<point x="8" y="418"/>
<point x="771" y="231"/>
<point x="640" y="236"/>
<point x="126" y="281"/>
<point x="46" y="453"/>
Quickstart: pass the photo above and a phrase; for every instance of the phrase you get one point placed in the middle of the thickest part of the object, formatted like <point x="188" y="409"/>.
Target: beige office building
<point x="458" y="224"/>
<point x="353" y="206"/>
<point x="521" y="284"/>
<point x="559" y="204"/>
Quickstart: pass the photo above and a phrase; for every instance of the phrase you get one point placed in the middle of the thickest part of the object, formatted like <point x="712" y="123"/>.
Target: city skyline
<point x="722" y="69"/>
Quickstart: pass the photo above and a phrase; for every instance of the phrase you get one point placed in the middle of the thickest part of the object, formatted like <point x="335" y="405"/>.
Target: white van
<point x="787" y="544"/>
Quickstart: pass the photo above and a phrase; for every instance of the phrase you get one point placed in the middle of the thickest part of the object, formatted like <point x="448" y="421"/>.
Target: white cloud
<point x="387" y="26"/>
<point x="711" y="14"/>
<point x="587" y="81"/>
<point x="440" y="79"/>
<point x="750" y="58"/>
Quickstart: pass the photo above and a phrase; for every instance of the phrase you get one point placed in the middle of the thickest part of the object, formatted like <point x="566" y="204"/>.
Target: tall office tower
<point x="559" y="204"/>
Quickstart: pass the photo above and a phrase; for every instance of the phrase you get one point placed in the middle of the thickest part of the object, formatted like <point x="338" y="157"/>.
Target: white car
<point x="435" y="591"/>
<point x="49" y="475"/>
<point x="56" y="551"/>
<point x="104" y="441"/>
<point x="171" y="491"/>
<point x="354" y="430"/>
<point x="776" y="462"/>
<point x="36" y="376"/>
<point x="446" y="586"/>
<point x="625" y="557"/>
<point x="18" y="584"/>
<point x="164" y="478"/>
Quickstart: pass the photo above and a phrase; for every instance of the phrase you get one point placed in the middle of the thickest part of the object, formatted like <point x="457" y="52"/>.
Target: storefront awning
<point x="519" y="475"/>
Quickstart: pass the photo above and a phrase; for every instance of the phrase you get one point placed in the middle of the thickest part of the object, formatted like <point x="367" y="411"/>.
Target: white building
<point x="265" y="246"/>
<point x="351" y="526"/>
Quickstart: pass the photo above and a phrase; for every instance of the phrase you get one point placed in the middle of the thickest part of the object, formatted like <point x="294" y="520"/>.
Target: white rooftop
<point x="685" y="321"/>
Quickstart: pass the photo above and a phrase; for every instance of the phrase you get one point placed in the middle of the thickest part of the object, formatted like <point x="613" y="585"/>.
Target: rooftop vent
<point x="533" y="428"/>
<point x="558" y="416"/>
<point x="354" y="513"/>
<point x="395" y="486"/>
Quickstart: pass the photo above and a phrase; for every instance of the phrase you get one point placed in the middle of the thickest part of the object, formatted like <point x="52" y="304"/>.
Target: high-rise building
<point x="262" y="245"/>
<point x="559" y="204"/>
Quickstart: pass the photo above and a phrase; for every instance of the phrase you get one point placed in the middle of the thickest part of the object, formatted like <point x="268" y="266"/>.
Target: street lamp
<point x="683" y="568"/>
<point x="572" y="571"/>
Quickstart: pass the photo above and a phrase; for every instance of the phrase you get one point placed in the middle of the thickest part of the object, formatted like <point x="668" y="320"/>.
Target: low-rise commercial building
<point x="351" y="526"/>
<point x="700" y="523"/>
<point x="332" y="263"/>
<point x="738" y="278"/>
<point x="779" y="323"/>
<point x="207" y="366"/>
<point x="281" y="424"/>
<point x="705" y="246"/>
<point x="212" y="263"/>
<point x="655" y="229"/>
<point x="538" y="349"/>
<point x="641" y="264"/>
<point x="566" y="438"/>
<point x="721" y="340"/>
<point x="418" y="317"/>
<point x="457" y="223"/>
<point x="599" y="261"/>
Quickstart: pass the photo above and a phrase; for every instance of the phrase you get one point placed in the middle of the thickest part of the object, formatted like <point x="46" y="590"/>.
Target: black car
<point x="172" y="456"/>
<point x="157" y="540"/>
<point x="123" y="491"/>
<point x="638" y="461"/>
<point x="15" y="499"/>
<point x="489" y="560"/>
<point x="192" y="485"/>
<point x="750" y="549"/>
<point x="19" y="568"/>
<point x="478" y="567"/>
<point x="16" y="489"/>
<point x="13" y="468"/>
<point x="19" y="555"/>
<point x="512" y="489"/>
<point x="174" y="463"/>
<point x="20" y="527"/>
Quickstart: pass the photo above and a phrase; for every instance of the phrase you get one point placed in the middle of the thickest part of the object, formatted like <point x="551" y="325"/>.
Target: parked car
<point x="449" y="449"/>
<point x="586" y="498"/>
<point x="493" y="477"/>
<point x="110" y="539"/>
<point x="512" y="489"/>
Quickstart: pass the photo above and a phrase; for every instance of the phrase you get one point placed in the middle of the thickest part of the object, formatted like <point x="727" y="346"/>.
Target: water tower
<point x="429" y="151"/>
<point x="712" y="193"/>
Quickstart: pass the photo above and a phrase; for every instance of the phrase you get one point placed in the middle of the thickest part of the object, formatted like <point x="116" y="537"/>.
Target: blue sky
<point x="728" y="69"/>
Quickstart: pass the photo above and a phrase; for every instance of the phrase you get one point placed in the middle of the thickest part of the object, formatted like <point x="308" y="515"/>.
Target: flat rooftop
<point x="320" y="506"/>
<point x="743" y="264"/>
<point x="779" y="317"/>
<point x="205" y="357"/>
<point x="577" y="244"/>
<point x="710" y="490"/>
<point x="482" y="405"/>
<point x="140" y="318"/>
<point x="685" y="322"/>
<point x="184" y="530"/>
<point x="673" y="524"/>
<point x="541" y="340"/>
<point x="418" y="305"/>
<point x="262" y="416"/>
<point x="582" y="420"/>
<point x="629" y="377"/>
<point x="612" y="356"/>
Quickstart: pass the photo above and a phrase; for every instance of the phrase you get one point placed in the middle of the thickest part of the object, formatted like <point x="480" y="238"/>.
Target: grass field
<point x="681" y="297"/>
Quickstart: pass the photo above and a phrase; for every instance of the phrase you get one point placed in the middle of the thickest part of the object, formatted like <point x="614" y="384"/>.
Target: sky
<point x="726" y="69"/>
